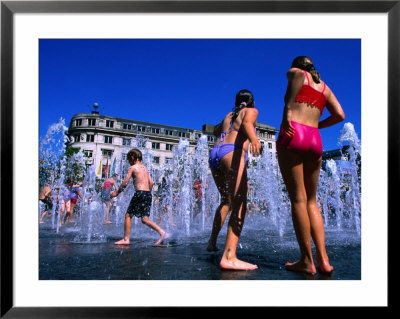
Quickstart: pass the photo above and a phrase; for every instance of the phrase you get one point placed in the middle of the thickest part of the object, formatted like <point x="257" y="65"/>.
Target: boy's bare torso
<point x="141" y="177"/>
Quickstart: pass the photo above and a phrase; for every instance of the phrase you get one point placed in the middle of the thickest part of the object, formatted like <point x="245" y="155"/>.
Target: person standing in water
<point x="228" y="161"/>
<point x="141" y="201"/>
<point x="299" y="149"/>
<point x="45" y="198"/>
<point x="65" y="196"/>
<point x="75" y="196"/>
<point x="105" y="194"/>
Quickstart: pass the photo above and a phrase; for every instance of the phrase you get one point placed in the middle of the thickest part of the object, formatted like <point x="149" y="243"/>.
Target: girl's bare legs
<point x="107" y="212"/>
<point x="221" y="212"/>
<point x="163" y="234"/>
<point x="291" y="166"/>
<point x="311" y="176"/>
<point x="236" y="177"/>
<point x="42" y="216"/>
<point x="71" y="211"/>
<point x="127" y="231"/>
<point x="62" y="212"/>
<point x="65" y="208"/>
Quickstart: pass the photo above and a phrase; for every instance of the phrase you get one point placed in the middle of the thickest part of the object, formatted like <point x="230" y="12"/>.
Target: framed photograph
<point x="44" y="75"/>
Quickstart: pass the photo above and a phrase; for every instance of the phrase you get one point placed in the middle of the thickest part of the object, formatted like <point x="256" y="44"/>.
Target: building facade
<point x="106" y="139"/>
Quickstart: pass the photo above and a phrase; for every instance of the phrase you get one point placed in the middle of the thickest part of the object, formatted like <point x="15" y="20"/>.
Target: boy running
<point x="141" y="201"/>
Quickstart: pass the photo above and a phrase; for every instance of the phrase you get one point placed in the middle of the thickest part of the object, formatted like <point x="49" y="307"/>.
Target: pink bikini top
<point x="311" y="96"/>
<point x="107" y="185"/>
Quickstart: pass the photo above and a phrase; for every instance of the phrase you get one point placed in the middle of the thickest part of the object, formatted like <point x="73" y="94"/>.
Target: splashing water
<point x="180" y="208"/>
<point x="352" y="177"/>
<point x="52" y="161"/>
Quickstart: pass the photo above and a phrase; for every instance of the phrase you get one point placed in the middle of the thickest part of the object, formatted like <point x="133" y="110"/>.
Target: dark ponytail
<point x="244" y="98"/>
<point x="306" y="64"/>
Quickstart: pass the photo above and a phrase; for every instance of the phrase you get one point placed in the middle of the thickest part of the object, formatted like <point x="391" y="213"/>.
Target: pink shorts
<point x="305" y="139"/>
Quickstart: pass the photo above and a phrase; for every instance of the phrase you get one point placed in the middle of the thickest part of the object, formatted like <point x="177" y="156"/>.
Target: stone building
<point x="106" y="139"/>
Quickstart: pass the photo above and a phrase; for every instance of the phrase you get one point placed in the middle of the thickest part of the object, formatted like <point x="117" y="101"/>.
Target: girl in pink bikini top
<point x="309" y="95"/>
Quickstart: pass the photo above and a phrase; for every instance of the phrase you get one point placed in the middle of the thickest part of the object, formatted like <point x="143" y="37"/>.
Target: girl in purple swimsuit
<point x="227" y="162"/>
<point x="299" y="149"/>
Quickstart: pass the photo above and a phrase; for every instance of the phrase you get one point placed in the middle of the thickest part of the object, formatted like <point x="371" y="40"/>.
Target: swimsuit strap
<point x="308" y="80"/>
<point x="222" y="137"/>
<point x="223" y="133"/>
<point x="324" y="88"/>
<point x="308" y="83"/>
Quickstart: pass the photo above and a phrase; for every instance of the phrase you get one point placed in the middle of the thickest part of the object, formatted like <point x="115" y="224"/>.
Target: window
<point x="156" y="160"/>
<point x="127" y="126"/>
<point x="210" y="138"/>
<point x="168" y="160"/>
<point x="141" y="143"/>
<point x="197" y="136"/>
<point x="155" y="146"/>
<point x="108" y="139"/>
<point x="126" y="141"/>
<point x="169" y="147"/>
<point x="92" y="122"/>
<point x="107" y="153"/>
<point x="168" y="132"/>
<point x="90" y="138"/>
<point x="109" y="123"/>
<point x="155" y="130"/>
<point x="181" y="134"/>
<point x="269" y="145"/>
<point x="78" y="122"/>
<point x="88" y="153"/>
<point x="141" y="128"/>
<point x="77" y="138"/>
<point x="124" y="156"/>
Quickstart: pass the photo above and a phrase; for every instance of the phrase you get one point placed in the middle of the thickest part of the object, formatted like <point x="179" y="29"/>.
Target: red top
<point x="311" y="96"/>
<point x="197" y="187"/>
<point x="107" y="185"/>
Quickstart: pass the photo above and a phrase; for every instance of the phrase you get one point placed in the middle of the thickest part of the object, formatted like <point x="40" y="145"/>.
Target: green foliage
<point x="75" y="165"/>
<point x="71" y="151"/>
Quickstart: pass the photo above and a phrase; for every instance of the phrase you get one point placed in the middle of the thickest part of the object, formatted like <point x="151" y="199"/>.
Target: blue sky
<point x="189" y="82"/>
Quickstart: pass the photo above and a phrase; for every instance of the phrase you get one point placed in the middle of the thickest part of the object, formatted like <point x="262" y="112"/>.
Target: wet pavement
<point x="61" y="257"/>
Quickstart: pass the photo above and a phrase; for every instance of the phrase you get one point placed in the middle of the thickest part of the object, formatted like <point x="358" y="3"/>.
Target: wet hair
<point x="244" y="98"/>
<point x="137" y="154"/>
<point x="306" y="64"/>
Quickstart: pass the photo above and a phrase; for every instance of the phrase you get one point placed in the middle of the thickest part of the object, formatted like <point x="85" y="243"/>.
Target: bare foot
<point x="211" y="247"/>
<point x="108" y="222"/>
<point x="163" y="237"/>
<point x="324" y="266"/>
<point x="123" y="241"/>
<point x="236" y="264"/>
<point x="301" y="267"/>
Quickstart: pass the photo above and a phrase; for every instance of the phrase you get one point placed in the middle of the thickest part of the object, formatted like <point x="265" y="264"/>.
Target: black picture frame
<point x="9" y="8"/>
